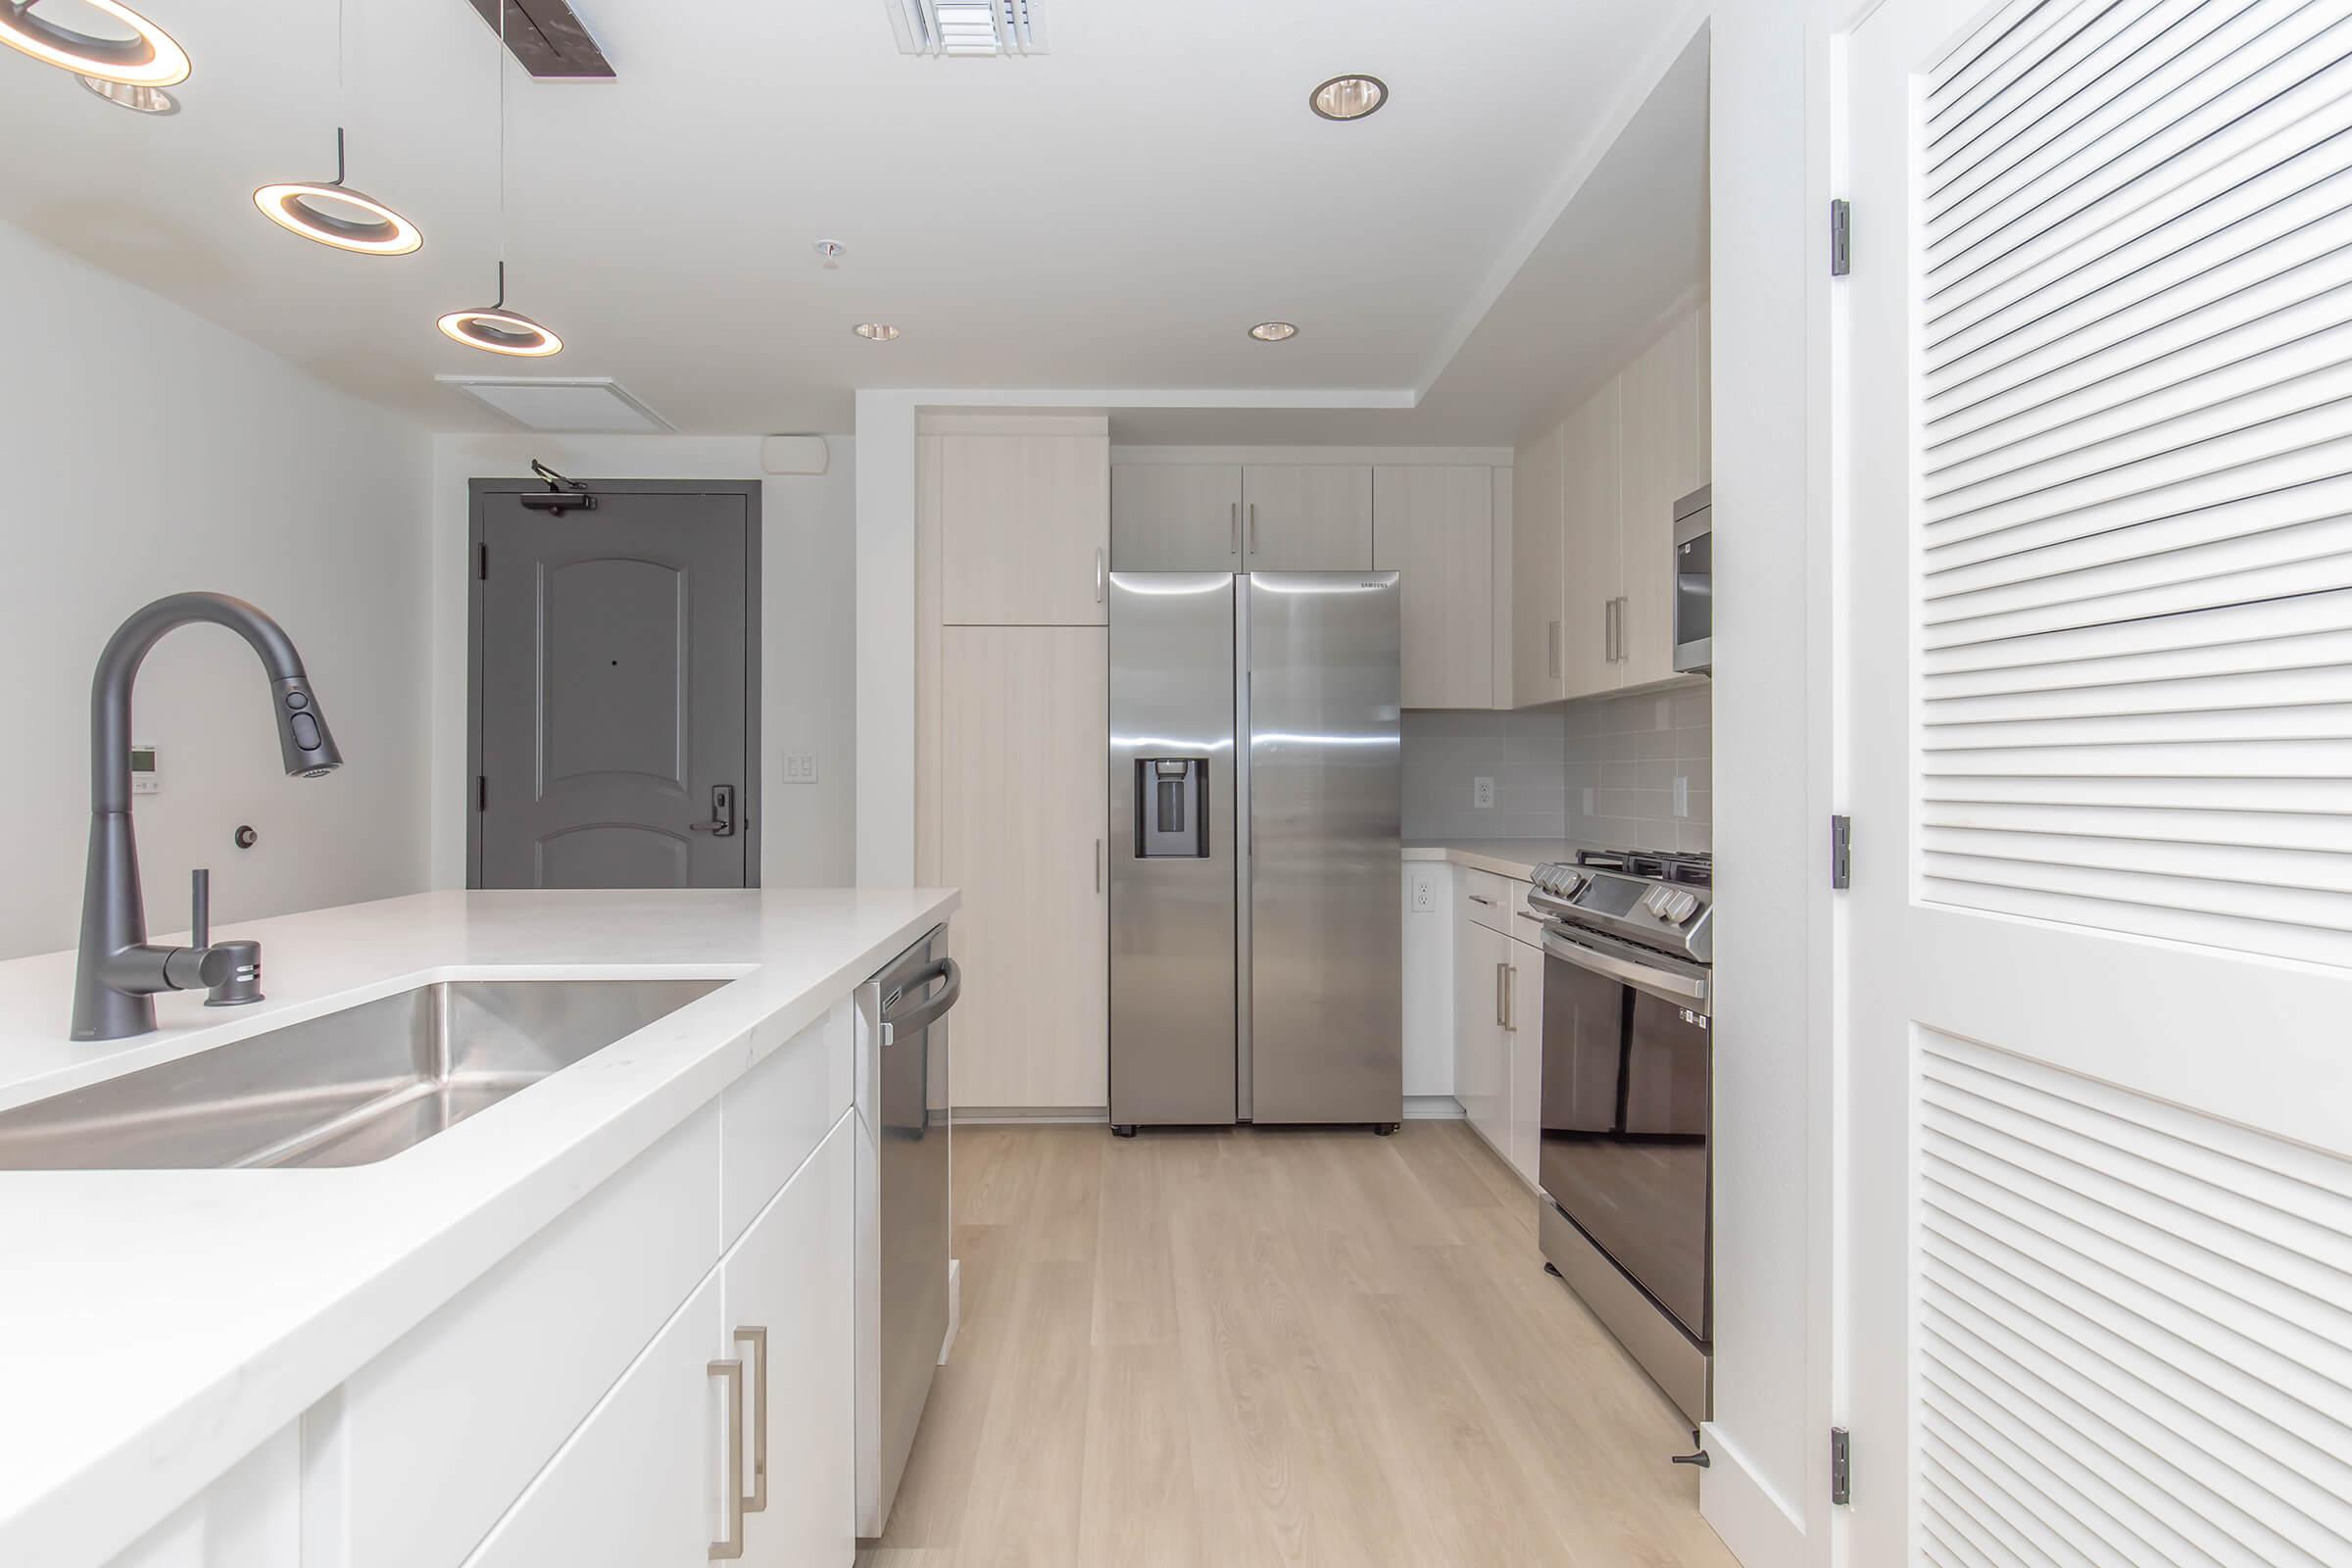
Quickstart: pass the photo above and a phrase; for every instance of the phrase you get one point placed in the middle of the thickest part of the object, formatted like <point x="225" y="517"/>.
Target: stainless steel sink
<point x="346" y="1087"/>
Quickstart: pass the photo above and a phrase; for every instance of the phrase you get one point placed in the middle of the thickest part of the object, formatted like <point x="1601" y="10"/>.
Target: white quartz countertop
<point x="156" y="1326"/>
<point x="1511" y="857"/>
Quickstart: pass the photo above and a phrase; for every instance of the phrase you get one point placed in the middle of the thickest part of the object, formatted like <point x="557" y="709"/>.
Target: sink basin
<point x="345" y="1088"/>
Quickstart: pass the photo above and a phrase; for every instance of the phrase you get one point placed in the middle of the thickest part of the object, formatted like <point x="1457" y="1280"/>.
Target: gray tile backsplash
<point x="1525" y="754"/>
<point x="1639" y="770"/>
<point x="1630" y="772"/>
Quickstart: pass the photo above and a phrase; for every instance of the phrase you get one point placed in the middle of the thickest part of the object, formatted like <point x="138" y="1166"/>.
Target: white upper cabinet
<point x="1592" y="527"/>
<point x="1436" y="527"/>
<point x="1176" y="516"/>
<point x="1024" y="519"/>
<point x="1538" y="606"/>
<point x="1665" y="458"/>
<point x="1306" y="516"/>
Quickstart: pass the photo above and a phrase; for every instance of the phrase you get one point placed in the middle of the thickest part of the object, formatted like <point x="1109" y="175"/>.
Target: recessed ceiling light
<point x="876" y="331"/>
<point x="146" y="59"/>
<point x="146" y="100"/>
<point x="1348" y="97"/>
<point x="1273" y="331"/>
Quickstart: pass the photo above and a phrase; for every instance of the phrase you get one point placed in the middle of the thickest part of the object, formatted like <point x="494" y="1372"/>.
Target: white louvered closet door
<point x="2097" y="484"/>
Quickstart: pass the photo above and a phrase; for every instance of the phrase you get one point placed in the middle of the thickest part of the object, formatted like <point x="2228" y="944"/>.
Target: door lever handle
<point x="722" y="814"/>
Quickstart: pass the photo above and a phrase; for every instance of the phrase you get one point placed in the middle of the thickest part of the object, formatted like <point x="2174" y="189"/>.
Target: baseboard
<point x="1030" y="1115"/>
<point x="954" y="1307"/>
<point x="1432" y="1107"/>
<point x="1754" y="1519"/>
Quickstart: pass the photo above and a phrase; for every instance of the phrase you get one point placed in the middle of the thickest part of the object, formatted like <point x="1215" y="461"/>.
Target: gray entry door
<point x="615" y="688"/>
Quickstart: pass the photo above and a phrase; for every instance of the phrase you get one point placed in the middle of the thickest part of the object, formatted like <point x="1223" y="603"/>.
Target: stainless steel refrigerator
<point x="1255" y="818"/>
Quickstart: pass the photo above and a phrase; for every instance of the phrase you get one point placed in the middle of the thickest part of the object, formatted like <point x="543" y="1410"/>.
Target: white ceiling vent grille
<point x="592" y="407"/>
<point x="966" y="27"/>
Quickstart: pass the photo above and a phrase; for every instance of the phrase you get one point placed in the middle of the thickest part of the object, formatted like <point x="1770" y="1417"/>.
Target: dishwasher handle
<point x="931" y="1008"/>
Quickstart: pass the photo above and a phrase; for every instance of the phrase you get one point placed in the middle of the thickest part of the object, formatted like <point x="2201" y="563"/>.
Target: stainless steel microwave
<point x="1694" y="580"/>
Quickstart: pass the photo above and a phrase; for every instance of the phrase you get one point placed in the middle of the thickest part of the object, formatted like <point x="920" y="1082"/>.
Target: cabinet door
<point x="1306" y="516"/>
<point x="642" y="1482"/>
<point x="1024" y="529"/>
<point x="1539" y="637"/>
<point x="1024" y="727"/>
<point x="1481" y="1075"/>
<point x="792" y="1278"/>
<point x="1176" y="516"/>
<point x="1523" y="1044"/>
<point x="1592" y="565"/>
<point x="1436" y="527"/>
<point x="1661" y="462"/>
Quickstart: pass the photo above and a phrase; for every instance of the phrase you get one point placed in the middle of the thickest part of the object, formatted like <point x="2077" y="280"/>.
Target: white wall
<point x="806" y="629"/>
<point x="144" y="451"/>
<point x="1767" y="1491"/>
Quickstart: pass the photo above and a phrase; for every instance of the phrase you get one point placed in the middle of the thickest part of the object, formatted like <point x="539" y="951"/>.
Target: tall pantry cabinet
<point x="1012" y="723"/>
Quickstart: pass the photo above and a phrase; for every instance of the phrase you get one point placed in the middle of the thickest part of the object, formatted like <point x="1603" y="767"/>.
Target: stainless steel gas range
<point x="1628" y="950"/>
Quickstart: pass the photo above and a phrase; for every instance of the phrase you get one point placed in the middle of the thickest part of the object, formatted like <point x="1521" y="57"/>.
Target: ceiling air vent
<point x="966" y="27"/>
<point x="594" y="406"/>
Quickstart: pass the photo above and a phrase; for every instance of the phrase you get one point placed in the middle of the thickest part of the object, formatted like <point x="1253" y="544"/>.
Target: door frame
<point x="476" y="539"/>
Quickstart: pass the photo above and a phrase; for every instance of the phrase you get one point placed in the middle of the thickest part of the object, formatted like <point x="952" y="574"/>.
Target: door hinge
<point x="481" y="792"/>
<point x="1841" y="238"/>
<point x="482" y="562"/>
<point x="1841" y="1467"/>
<point x="1841" y="851"/>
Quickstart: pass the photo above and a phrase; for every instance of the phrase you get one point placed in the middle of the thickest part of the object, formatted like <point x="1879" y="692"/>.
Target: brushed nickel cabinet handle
<point x="1237" y="527"/>
<point x="757" y="1339"/>
<point x="1551" y="638"/>
<point x="1098" y="866"/>
<point x="1499" y="984"/>
<point x="1253" y="527"/>
<point x="1098" y="576"/>
<point x="730" y="1545"/>
<point x="1480" y="898"/>
<point x="1510" y="1013"/>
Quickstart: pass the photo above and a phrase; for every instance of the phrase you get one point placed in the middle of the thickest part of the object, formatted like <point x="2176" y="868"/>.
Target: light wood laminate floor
<point x="1247" y="1348"/>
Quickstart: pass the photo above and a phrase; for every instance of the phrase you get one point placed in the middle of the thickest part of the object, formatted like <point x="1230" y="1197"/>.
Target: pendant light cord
<point x="342" y="47"/>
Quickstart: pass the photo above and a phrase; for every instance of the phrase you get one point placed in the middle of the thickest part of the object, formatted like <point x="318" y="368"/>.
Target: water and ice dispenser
<point x="1171" y="807"/>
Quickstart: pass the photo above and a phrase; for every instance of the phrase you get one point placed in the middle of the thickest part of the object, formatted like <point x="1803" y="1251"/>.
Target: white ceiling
<point x="1113" y="213"/>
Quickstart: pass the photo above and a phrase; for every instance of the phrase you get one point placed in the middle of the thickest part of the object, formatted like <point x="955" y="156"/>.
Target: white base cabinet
<point x="1498" y="1020"/>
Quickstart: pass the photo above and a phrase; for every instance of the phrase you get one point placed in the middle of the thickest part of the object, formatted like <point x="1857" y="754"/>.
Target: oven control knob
<point x="1657" y="900"/>
<point x="1682" y="906"/>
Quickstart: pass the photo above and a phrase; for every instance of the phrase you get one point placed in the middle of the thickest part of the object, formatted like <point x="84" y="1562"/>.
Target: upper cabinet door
<point x="1436" y="527"/>
<point x="1306" y="517"/>
<point x="1538" y="636"/>
<point x="1664" y="460"/>
<point x="1024" y="527"/>
<point x="1591" y="558"/>
<point x="1176" y="516"/>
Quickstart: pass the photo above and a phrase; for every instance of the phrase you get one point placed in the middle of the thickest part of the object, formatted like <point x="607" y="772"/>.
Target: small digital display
<point x="1610" y="895"/>
<point x="142" y="759"/>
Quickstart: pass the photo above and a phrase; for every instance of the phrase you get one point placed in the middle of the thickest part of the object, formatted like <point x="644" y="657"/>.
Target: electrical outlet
<point x="1482" y="793"/>
<point x="800" y="767"/>
<point x="1425" y="893"/>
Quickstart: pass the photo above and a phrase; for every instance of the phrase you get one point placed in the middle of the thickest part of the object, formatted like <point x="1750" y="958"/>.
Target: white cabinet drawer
<point x="1493" y="901"/>
<point x="413" y="1460"/>
<point x="642" y="1484"/>
<point x="776" y="1113"/>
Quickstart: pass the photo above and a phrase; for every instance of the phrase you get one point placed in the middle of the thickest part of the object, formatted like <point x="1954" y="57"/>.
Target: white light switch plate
<point x="800" y="767"/>
<point x="1482" y="793"/>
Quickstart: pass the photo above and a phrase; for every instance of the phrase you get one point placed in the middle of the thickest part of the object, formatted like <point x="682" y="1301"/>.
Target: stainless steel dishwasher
<point x="903" y="1239"/>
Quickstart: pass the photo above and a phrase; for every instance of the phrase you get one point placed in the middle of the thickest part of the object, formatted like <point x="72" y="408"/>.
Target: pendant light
<point x="147" y="58"/>
<point x="301" y="208"/>
<point x="335" y="214"/>
<point x="495" y="329"/>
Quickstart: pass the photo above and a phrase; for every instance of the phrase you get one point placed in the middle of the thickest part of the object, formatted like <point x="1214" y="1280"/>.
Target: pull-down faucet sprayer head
<point x="303" y="738"/>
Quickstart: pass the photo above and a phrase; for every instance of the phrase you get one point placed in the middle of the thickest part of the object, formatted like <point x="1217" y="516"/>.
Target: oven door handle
<point x="1687" y="991"/>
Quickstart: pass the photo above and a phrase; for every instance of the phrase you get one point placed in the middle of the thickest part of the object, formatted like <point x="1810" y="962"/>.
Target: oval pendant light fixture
<point x="149" y="57"/>
<point x="495" y="329"/>
<point x="301" y="208"/>
<point x="499" y="330"/>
